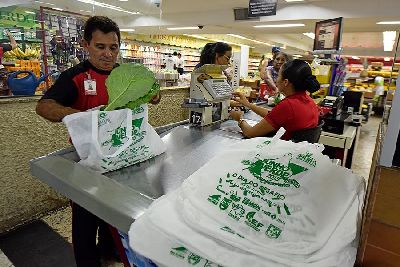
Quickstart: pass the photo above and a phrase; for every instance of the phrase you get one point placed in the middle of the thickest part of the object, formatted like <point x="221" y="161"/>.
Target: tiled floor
<point x="60" y="220"/>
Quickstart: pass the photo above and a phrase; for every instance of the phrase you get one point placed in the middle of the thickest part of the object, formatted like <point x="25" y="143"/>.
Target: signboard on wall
<point x="328" y="35"/>
<point x="13" y="15"/>
<point x="260" y="8"/>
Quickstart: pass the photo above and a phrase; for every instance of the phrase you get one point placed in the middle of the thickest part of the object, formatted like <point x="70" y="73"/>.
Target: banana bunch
<point x="32" y="52"/>
<point x="19" y="54"/>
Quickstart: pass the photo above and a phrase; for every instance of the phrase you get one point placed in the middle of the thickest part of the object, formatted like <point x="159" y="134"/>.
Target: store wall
<point x="25" y="135"/>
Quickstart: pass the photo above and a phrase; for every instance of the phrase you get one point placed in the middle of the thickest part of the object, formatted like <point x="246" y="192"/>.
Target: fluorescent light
<point x="280" y="25"/>
<point x="294" y="1"/>
<point x="100" y="4"/>
<point x="386" y="59"/>
<point x="389" y="38"/>
<point x="30" y="12"/>
<point x="309" y="34"/>
<point x="238" y="36"/>
<point x="127" y="30"/>
<point x="388" y="22"/>
<point x="245" y="38"/>
<point x="297" y="56"/>
<point x="57" y="8"/>
<point x="354" y="57"/>
<point x="123" y="0"/>
<point x="196" y="36"/>
<point x="183" y="28"/>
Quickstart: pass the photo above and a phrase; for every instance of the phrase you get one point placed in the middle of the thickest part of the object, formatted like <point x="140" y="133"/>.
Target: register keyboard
<point x="218" y="88"/>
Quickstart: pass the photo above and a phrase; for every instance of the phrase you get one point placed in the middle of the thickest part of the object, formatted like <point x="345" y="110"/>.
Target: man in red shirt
<point x="77" y="89"/>
<point x="296" y="112"/>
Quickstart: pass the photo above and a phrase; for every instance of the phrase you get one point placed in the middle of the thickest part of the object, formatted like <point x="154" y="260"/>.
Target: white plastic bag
<point x="110" y="140"/>
<point x="288" y="201"/>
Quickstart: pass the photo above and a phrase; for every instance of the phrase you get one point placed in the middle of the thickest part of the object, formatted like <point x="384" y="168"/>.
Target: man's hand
<point x="53" y="111"/>
<point x="155" y="99"/>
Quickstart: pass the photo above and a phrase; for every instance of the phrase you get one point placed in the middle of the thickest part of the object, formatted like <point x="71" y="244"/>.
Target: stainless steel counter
<point x="121" y="196"/>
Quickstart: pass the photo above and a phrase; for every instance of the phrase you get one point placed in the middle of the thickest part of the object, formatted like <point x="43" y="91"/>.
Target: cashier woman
<point x="296" y="112"/>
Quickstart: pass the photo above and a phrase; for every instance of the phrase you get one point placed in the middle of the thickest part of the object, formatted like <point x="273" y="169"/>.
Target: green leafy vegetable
<point x="128" y="83"/>
<point x="144" y="99"/>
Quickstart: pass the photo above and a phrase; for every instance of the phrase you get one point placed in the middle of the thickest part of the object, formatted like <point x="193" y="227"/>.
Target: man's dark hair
<point x="101" y="23"/>
<point x="175" y="53"/>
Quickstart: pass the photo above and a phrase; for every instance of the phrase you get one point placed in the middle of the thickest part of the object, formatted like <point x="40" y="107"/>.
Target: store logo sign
<point x="17" y="16"/>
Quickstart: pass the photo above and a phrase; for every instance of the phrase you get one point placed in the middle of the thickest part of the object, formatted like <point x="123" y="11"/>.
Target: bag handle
<point x="95" y="133"/>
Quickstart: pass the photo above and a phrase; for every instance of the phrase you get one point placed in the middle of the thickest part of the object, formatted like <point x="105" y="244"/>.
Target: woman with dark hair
<point x="215" y="53"/>
<point x="296" y="112"/>
<point x="270" y="73"/>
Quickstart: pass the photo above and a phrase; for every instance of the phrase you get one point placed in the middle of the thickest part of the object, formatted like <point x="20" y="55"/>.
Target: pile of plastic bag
<point x="263" y="202"/>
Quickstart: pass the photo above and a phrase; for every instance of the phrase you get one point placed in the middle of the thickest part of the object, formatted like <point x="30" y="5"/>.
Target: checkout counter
<point x="121" y="196"/>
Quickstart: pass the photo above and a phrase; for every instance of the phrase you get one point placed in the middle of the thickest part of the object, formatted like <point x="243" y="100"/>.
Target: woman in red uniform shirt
<point x="296" y="112"/>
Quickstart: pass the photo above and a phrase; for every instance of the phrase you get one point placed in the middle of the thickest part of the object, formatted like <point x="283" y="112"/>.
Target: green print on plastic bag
<point x="307" y="158"/>
<point x="240" y="197"/>
<point x="192" y="258"/>
<point x="103" y="119"/>
<point x="273" y="231"/>
<point x="179" y="252"/>
<point x="272" y="172"/>
<point x="119" y="135"/>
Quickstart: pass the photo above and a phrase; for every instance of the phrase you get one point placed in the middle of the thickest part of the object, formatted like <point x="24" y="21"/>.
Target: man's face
<point x="103" y="49"/>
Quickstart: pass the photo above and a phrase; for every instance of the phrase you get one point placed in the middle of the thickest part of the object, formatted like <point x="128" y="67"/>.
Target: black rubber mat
<point x="37" y="245"/>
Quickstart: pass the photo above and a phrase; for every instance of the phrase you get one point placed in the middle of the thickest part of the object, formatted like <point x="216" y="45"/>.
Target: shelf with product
<point x="154" y="55"/>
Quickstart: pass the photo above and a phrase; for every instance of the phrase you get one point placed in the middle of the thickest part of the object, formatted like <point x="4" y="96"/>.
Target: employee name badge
<point x="90" y="85"/>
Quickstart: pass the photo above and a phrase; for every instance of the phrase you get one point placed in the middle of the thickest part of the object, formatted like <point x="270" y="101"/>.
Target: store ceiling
<point x="361" y="35"/>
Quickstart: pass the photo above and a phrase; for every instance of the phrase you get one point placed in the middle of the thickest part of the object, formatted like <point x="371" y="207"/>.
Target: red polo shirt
<point x="295" y="112"/>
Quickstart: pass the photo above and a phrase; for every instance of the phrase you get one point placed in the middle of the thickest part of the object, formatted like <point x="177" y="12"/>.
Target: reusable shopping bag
<point x="110" y="140"/>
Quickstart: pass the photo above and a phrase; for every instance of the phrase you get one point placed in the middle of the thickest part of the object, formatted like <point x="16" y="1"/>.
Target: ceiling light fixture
<point x="30" y="12"/>
<point x="127" y="30"/>
<point x="245" y="38"/>
<point x="294" y="1"/>
<point x="196" y="36"/>
<point x="182" y="28"/>
<point x="57" y="8"/>
<point x="388" y="22"/>
<point x="389" y="38"/>
<point x="289" y="25"/>
<point x="297" y="56"/>
<point x="309" y="34"/>
<point x="100" y="4"/>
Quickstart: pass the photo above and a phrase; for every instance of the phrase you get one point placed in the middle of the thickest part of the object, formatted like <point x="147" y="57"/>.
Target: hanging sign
<point x="260" y="8"/>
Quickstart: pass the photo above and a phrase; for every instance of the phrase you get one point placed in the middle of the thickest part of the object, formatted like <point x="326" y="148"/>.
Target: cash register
<point x="333" y="116"/>
<point x="210" y="98"/>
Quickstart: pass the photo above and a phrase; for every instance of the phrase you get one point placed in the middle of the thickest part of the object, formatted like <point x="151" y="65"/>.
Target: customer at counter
<point x="296" y="112"/>
<point x="270" y="73"/>
<point x="73" y="92"/>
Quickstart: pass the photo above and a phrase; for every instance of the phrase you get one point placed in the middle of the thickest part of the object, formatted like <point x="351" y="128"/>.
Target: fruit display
<point x="18" y="53"/>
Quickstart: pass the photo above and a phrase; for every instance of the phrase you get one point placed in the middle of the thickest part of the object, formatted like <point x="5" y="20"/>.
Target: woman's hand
<point x="240" y="98"/>
<point x="236" y="114"/>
